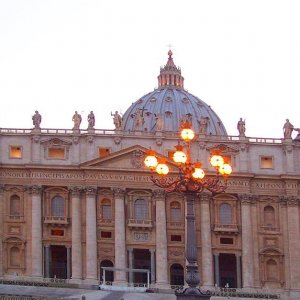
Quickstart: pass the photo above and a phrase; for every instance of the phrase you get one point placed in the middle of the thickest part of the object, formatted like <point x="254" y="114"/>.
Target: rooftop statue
<point x="241" y="126"/>
<point x="91" y="120"/>
<point x="287" y="129"/>
<point x="36" y="120"/>
<point x="117" y="119"/>
<point x="77" y="120"/>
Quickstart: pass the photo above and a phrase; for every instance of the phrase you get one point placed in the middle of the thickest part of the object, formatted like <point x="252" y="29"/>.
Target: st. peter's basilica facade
<point x="75" y="200"/>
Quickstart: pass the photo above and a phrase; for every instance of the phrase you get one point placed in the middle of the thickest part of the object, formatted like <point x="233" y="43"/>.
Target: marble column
<point x="120" y="240"/>
<point x="1" y="227"/>
<point x="206" y="245"/>
<point x="36" y="232"/>
<point x="69" y="266"/>
<point x="161" y="239"/>
<point x="130" y="265"/>
<point x="91" y="235"/>
<point x="294" y="240"/>
<point x="247" y="241"/>
<point x="217" y="270"/>
<point x="238" y="271"/>
<point x="76" y="235"/>
<point x="47" y="261"/>
<point x="152" y="252"/>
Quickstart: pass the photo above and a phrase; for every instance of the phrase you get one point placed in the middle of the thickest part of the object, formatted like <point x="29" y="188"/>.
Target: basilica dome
<point x="165" y="108"/>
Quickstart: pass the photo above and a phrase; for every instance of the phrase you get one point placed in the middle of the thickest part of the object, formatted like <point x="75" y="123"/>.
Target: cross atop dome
<point x="170" y="75"/>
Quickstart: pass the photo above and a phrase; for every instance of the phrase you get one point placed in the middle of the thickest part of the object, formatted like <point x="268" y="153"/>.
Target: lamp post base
<point x="192" y="294"/>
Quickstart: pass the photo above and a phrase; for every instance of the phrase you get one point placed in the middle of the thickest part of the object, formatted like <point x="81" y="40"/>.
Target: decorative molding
<point x="75" y="190"/>
<point x="90" y="139"/>
<point x="35" y="189"/>
<point x="205" y="197"/>
<point x="248" y="198"/>
<point x="137" y="159"/>
<point x="91" y="190"/>
<point x="118" y="193"/>
<point x="117" y="140"/>
<point x="159" y="194"/>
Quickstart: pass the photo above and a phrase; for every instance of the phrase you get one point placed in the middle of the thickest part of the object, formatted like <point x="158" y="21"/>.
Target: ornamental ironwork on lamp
<point x="190" y="181"/>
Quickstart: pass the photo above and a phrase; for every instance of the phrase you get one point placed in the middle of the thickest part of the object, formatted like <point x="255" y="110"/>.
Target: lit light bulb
<point x="179" y="156"/>
<point x="162" y="169"/>
<point x="150" y="160"/>
<point x="217" y="161"/>
<point x="198" y="172"/>
<point x="225" y="169"/>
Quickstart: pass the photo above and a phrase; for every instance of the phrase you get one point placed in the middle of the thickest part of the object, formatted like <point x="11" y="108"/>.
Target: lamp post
<point x="190" y="181"/>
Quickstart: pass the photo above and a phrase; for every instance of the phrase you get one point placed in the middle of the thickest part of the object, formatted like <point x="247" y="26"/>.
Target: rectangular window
<point x="106" y="234"/>
<point x="104" y="152"/>
<point x="266" y="162"/>
<point x="226" y="241"/>
<point x="15" y="152"/>
<point x="56" y="153"/>
<point x="175" y="238"/>
<point x="57" y="232"/>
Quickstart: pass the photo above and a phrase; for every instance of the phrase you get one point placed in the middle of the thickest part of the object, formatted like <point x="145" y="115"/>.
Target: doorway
<point x="141" y="260"/>
<point x="58" y="263"/>
<point x="228" y="272"/>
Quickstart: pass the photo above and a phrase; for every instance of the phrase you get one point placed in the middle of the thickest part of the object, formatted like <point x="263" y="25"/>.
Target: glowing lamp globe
<point x="198" y="173"/>
<point x="179" y="156"/>
<point x="225" y="169"/>
<point x="150" y="160"/>
<point x="217" y="161"/>
<point x="162" y="169"/>
<point x="187" y="134"/>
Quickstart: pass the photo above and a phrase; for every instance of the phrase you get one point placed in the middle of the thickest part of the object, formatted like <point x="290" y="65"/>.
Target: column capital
<point x="205" y="197"/>
<point x="159" y="194"/>
<point x="289" y="200"/>
<point x="75" y="190"/>
<point x="91" y="190"/>
<point x="118" y="192"/>
<point x="35" y="189"/>
<point x="247" y="198"/>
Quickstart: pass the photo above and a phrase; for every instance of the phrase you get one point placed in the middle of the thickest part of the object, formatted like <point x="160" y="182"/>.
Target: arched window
<point x="176" y="275"/>
<point x="272" y="270"/>
<point x="15" y="257"/>
<point x="58" y="206"/>
<point x="225" y="214"/>
<point x="175" y="211"/>
<point x="109" y="275"/>
<point x="140" y="209"/>
<point x="269" y="216"/>
<point x="106" y="210"/>
<point x="15" y="206"/>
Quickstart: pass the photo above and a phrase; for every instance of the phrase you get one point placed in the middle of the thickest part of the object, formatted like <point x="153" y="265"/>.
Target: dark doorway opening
<point x="109" y="275"/>
<point x="228" y="274"/>
<point x="141" y="260"/>
<point x="176" y="274"/>
<point x="58" y="264"/>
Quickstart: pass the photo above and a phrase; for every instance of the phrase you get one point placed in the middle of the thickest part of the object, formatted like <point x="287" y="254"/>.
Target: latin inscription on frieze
<point x="14" y="174"/>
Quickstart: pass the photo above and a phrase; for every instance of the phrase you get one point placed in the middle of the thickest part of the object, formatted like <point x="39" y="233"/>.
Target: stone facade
<point x="64" y="212"/>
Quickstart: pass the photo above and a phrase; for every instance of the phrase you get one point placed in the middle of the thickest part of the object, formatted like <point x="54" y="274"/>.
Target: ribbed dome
<point x="167" y="106"/>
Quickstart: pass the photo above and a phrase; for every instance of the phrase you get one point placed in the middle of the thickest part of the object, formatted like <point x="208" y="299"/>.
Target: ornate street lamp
<point x="191" y="181"/>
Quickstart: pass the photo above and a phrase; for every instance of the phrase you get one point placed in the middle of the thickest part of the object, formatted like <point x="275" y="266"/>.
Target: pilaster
<point x="76" y="235"/>
<point x="161" y="239"/>
<point x="120" y="241"/>
<point x="91" y="235"/>
<point x="36" y="231"/>
<point x="206" y="244"/>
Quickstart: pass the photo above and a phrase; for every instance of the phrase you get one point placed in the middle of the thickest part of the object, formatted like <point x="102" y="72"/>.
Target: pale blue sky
<point x="240" y="57"/>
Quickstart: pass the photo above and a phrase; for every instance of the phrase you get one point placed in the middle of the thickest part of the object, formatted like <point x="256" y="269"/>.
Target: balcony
<point x="135" y="223"/>
<point x="226" y="229"/>
<point x="56" y="220"/>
